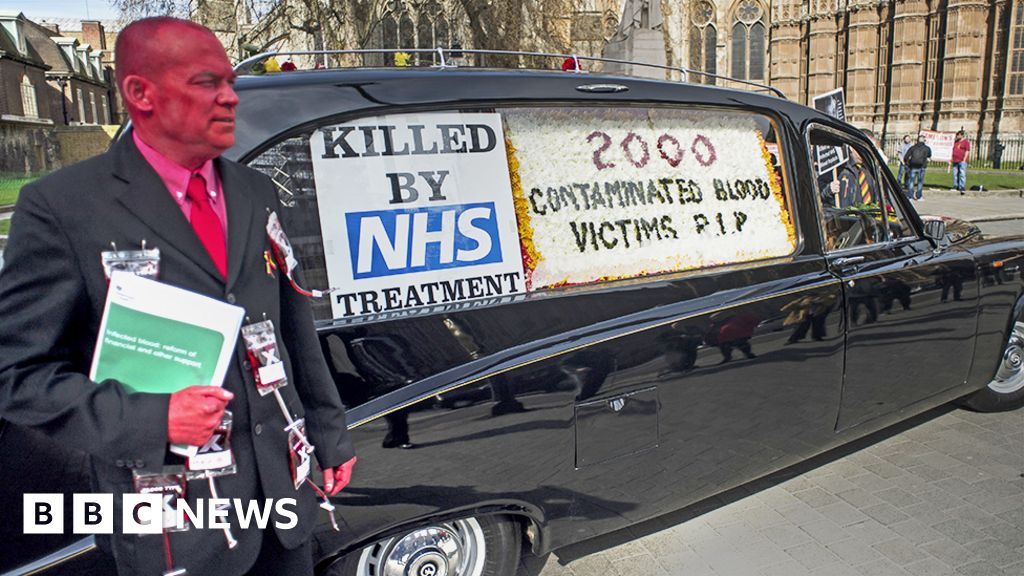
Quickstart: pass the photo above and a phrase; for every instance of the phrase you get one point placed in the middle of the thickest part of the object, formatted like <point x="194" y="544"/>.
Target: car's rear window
<point x="426" y="212"/>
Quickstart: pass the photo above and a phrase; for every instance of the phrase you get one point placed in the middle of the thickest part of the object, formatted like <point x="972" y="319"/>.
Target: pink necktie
<point x="206" y="223"/>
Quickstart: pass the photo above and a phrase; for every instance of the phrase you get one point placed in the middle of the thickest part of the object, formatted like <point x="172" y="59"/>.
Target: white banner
<point x="618" y="193"/>
<point x="416" y="210"/>
<point x="941" y="144"/>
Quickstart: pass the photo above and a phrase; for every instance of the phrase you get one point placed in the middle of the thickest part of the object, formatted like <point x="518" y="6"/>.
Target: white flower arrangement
<point x="616" y="193"/>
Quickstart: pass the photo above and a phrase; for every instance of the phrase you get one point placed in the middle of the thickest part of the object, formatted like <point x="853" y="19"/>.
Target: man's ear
<point x="137" y="92"/>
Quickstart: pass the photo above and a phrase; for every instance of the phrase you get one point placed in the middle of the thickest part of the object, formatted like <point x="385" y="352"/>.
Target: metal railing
<point x="11" y="184"/>
<point x="446" y="58"/>
<point x="996" y="153"/>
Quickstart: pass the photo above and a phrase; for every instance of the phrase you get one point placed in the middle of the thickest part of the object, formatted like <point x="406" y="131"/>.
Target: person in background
<point x="904" y="174"/>
<point x="857" y="185"/>
<point x="917" y="161"/>
<point x="961" y="150"/>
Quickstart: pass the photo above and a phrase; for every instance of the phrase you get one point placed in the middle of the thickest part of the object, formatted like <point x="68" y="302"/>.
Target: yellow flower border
<point x="531" y="257"/>
<point x="773" y="182"/>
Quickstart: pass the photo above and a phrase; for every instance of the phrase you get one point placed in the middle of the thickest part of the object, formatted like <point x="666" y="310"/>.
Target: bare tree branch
<point x="135" y="9"/>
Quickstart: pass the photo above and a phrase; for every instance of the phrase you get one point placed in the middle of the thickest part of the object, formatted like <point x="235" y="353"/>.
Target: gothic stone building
<point x="905" y="65"/>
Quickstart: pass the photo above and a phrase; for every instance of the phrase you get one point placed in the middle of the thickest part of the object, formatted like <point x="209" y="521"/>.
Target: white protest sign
<point x="941" y="144"/>
<point x="619" y="193"/>
<point x="416" y="210"/>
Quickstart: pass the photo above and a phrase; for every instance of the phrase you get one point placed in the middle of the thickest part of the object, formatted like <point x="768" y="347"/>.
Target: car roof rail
<point x="446" y="55"/>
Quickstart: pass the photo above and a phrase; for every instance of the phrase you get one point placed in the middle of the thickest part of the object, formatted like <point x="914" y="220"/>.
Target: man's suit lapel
<point x="240" y="216"/>
<point x="145" y="195"/>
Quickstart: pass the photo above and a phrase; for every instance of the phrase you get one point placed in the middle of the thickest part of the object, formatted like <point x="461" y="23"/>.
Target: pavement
<point x="940" y="495"/>
<point x="974" y="206"/>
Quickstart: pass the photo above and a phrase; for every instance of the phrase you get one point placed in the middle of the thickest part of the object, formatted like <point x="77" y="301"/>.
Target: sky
<point x="77" y="9"/>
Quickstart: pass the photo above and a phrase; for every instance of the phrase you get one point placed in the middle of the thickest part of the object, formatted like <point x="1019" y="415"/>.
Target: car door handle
<point x="848" y="261"/>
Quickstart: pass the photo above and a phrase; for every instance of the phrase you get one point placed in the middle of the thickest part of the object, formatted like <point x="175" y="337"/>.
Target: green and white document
<point x="157" y="338"/>
<point x="160" y="339"/>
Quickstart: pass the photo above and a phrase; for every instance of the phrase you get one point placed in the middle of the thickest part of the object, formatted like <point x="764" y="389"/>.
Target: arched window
<point x="406" y="37"/>
<point x="1017" y="52"/>
<point x="441" y="31"/>
<point x="389" y="30"/>
<point x="424" y="32"/>
<point x="431" y="29"/>
<point x="29" y="105"/>
<point x="748" y="41"/>
<point x="424" y="38"/>
<point x="703" y="41"/>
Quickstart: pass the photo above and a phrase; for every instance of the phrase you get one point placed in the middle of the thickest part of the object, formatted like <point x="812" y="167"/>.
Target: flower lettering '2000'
<point x="604" y="193"/>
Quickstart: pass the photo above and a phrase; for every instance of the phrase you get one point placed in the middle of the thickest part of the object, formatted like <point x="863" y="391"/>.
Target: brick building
<point x="49" y="84"/>
<point x="77" y="84"/>
<point x="26" y="120"/>
<point x="23" y="92"/>
<point x="77" y="78"/>
<point x="101" y="35"/>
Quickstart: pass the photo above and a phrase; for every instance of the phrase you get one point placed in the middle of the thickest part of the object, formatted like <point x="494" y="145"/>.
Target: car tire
<point x="1006" y="390"/>
<point x="484" y="546"/>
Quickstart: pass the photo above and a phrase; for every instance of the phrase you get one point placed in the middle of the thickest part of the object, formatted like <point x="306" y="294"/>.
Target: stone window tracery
<point x="703" y="42"/>
<point x="1017" y="52"/>
<point x="748" y="41"/>
<point x="933" y="57"/>
<point x="426" y="28"/>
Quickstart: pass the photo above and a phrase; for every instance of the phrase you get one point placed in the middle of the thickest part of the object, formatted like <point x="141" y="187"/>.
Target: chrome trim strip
<point x="66" y="553"/>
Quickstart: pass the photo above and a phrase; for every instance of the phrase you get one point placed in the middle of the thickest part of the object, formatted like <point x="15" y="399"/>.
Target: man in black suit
<point x="210" y="227"/>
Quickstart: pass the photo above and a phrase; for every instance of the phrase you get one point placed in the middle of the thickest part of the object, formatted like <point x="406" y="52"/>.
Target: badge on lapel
<point x="281" y="252"/>
<point x="271" y="264"/>
<point x="143" y="262"/>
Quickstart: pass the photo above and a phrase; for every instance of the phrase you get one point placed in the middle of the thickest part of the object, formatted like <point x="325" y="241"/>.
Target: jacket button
<point x="119" y="463"/>
<point x="258" y="429"/>
<point x="139" y="463"/>
<point x="246" y="364"/>
<point x="231" y="297"/>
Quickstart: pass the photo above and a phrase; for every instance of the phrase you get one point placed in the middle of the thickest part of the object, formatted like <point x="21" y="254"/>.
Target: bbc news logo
<point x="152" y="513"/>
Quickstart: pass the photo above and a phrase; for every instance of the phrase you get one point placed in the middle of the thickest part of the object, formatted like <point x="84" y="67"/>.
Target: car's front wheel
<point x="1006" y="390"/>
<point x="483" y="546"/>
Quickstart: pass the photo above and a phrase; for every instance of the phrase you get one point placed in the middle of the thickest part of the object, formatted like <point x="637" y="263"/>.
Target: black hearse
<point x="560" y="303"/>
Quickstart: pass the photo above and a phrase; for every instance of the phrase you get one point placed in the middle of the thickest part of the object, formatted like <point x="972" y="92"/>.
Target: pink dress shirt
<point x="176" y="179"/>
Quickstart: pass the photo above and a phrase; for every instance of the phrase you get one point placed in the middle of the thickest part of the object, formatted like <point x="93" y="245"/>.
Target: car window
<point x="852" y="201"/>
<point x="433" y="211"/>
<point x="899" y="225"/>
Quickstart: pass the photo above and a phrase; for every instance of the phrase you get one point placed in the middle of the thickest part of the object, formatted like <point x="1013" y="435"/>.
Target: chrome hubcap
<point x="1010" y="376"/>
<point x="451" y="549"/>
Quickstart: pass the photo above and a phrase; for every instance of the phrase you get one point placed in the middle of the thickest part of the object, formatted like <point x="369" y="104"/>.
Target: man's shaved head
<point x="177" y="85"/>
<point x="142" y="46"/>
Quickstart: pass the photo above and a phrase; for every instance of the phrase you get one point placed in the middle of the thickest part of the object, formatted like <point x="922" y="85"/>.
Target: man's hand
<point x="194" y="413"/>
<point x="337" y="478"/>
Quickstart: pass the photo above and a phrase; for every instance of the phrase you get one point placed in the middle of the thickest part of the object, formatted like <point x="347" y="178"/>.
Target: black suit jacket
<point x="52" y="292"/>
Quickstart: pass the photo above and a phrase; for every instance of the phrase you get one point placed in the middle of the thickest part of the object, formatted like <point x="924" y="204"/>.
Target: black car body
<point x="573" y="410"/>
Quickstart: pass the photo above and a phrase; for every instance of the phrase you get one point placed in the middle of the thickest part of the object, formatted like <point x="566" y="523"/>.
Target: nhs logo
<point x="403" y="241"/>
